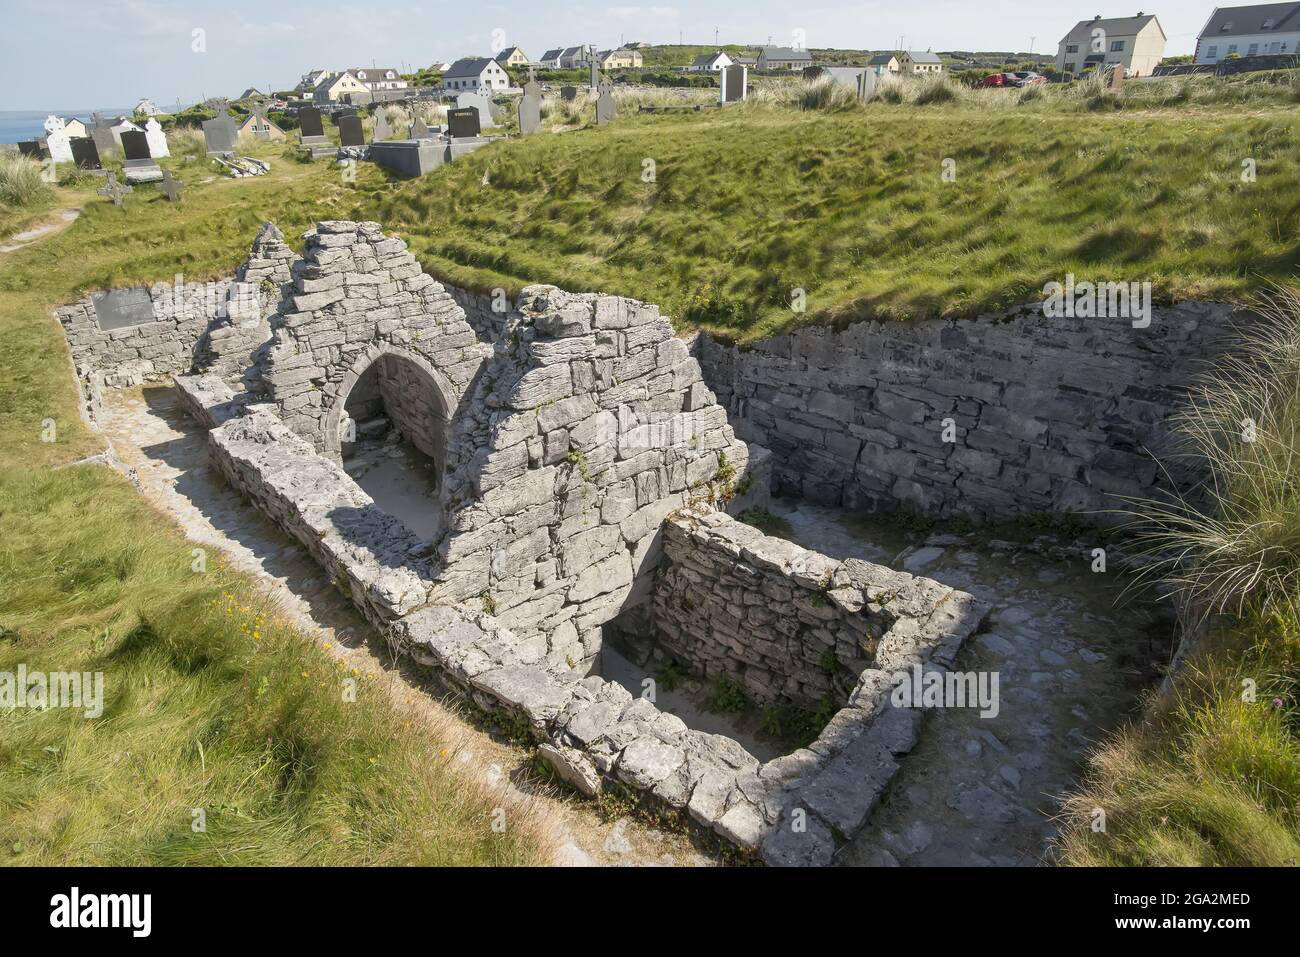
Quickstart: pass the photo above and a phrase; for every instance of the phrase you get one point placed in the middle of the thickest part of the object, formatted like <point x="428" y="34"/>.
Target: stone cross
<point x="1117" y="77"/>
<point x="170" y="186"/>
<point x="115" y="190"/>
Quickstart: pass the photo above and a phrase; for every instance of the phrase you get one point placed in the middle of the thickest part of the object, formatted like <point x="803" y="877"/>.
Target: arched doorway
<point x="389" y="428"/>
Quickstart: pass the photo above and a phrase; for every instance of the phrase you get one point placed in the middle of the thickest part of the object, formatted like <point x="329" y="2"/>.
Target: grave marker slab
<point x="135" y="147"/>
<point x="102" y="133"/>
<point x="350" y="131"/>
<point x="606" y="109"/>
<point x="734" y="84"/>
<point x="309" y="124"/>
<point x="219" y="135"/>
<point x="84" y="153"/>
<point x="114" y="190"/>
<point x="530" y="108"/>
<point x="382" y="129"/>
<point x="1117" y="77"/>
<point x="171" y="187"/>
<point x="480" y="102"/>
<point x="57" y="140"/>
<point x="419" y="129"/>
<point x="153" y="132"/>
<point x="31" y="149"/>
<point x="463" y="122"/>
<point x="568" y="93"/>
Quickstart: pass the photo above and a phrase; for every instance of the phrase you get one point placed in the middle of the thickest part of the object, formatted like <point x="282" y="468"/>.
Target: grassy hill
<point x="851" y="206"/>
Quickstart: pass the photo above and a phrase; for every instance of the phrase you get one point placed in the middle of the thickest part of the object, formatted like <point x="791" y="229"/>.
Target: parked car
<point x="996" y="79"/>
<point x="1029" y="78"/>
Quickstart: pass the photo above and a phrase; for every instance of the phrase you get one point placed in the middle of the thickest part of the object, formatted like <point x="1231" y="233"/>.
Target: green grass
<point x="212" y="702"/>
<point x="753" y="202"/>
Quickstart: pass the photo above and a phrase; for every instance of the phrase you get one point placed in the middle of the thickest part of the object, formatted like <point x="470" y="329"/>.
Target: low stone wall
<point x="370" y="554"/>
<point x="489" y="323"/>
<point x="1046" y="415"/>
<point x="788" y="624"/>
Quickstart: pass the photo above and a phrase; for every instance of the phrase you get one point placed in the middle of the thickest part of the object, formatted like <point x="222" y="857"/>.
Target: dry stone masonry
<point x="1049" y="415"/>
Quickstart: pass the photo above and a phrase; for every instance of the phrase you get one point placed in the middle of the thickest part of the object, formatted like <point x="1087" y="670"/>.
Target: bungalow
<point x="335" y="86"/>
<point x="475" y="73"/>
<point x="512" y="56"/>
<point x="711" y="62"/>
<point x="258" y="127"/>
<point x="145" y="108"/>
<point x="1265" y="29"/>
<point x="1135" y="43"/>
<point x="917" y="62"/>
<point x="379" y="78"/>
<point x="883" y="63"/>
<point x="783" y="58"/>
<point x="619" y="59"/>
<point x="551" y="59"/>
<point x="74" y="127"/>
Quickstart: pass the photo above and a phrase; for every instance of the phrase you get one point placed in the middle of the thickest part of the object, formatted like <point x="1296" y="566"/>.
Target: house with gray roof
<point x="550" y="60"/>
<point x="1135" y="43"/>
<point x="883" y="63"/>
<point x="783" y="58"/>
<point x="1263" y="29"/>
<point x="919" y="62"/>
<point x="475" y="73"/>
<point x="711" y="62"/>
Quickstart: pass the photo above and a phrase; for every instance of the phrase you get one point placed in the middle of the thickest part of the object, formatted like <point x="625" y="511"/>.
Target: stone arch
<point x="443" y="406"/>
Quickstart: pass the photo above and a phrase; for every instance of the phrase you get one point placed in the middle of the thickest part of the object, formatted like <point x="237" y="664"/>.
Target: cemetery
<point x="673" y="547"/>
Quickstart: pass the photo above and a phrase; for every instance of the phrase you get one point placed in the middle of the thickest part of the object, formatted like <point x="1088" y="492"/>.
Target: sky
<point x="83" y="54"/>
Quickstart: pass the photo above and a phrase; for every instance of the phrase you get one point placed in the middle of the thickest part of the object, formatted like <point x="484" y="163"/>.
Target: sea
<point x="18" y="125"/>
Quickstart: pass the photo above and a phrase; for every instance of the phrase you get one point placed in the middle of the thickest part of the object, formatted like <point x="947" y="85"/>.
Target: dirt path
<point x="65" y="218"/>
<point x="168" y="451"/>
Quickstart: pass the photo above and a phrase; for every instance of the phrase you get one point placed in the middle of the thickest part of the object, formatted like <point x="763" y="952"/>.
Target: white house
<point x="550" y="60"/>
<point x="476" y="73"/>
<point x="379" y="78"/>
<point x="334" y="86"/>
<point x="145" y="108"/>
<point x="1259" y="30"/>
<point x="1135" y="43"/>
<point x="711" y="62"/>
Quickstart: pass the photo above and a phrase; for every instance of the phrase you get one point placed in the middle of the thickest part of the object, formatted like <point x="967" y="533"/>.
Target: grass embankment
<point x="212" y="704"/>
<point x="1212" y="774"/>
<point x="750" y="203"/>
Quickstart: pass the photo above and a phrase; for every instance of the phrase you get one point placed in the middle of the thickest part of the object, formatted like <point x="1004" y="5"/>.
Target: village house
<point x="1137" y="44"/>
<point x="252" y="93"/>
<point x="145" y="108"/>
<point x="883" y="63"/>
<point x="379" y="78"/>
<point x="575" y="58"/>
<point x="309" y="81"/>
<point x="475" y="73"/>
<point x="75" y="127"/>
<point x="1264" y="29"/>
<point x="619" y="59"/>
<point x="259" y="127"/>
<point x="550" y="60"/>
<point x="512" y="56"/>
<point x="783" y="58"/>
<point x="332" y="88"/>
<point x="919" y="62"/>
<point x="711" y="62"/>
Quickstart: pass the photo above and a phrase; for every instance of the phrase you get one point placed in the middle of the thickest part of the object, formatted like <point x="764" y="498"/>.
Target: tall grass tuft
<point x="20" y="181"/>
<point x="1244" y="421"/>
<point x="823" y="94"/>
<point x="936" y="89"/>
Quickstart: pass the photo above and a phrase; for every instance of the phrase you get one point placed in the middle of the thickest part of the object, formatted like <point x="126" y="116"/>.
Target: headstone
<point x="121" y="127"/>
<point x="114" y="190"/>
<point x="350" y="131"/>
<point x="734" y="83"/>
<point x="463" y="122"/>
<point x="419" y="129"/>
<point x="593" y="81"/>
<point x="481" y="102"/>
<point x="605" y="108"/>
<point x="102" y="133"/>
<point x="135" y="147"/>
<point x="171" y="187"/>
<point x="866" y="84"/>
<point x="84" y="153"/>
<point x="1117" y="77"/>
<point x="57" y="140"/>
<point x="32" y="149"/>
<point x="335" y="117"/>
<point x="219" y="134"/>
<point x="568" y="93"/>
<point x="530" y="108"/>
<point x="153" y="131"/>
<point x="120" y="308"/>
<point x="309" y="126"/>
<point x="382" y="130"/>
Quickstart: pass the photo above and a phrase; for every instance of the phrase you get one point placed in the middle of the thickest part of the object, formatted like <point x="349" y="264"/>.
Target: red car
<point x="998" y="79"/>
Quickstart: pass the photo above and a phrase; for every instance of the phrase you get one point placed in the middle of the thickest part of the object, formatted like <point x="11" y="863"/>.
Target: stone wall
<point x="357" y="295"/>
<point x="489" y="323"/>
<point x="1049" y="415"/>
<point x="788" y="624"/>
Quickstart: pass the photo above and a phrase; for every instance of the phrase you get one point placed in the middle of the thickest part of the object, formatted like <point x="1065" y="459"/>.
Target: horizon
<point x="188" y="52"/>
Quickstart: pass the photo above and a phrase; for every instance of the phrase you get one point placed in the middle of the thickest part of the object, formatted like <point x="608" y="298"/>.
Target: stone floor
<point x="1071" y="664"/>
<point x="402" y="481"/>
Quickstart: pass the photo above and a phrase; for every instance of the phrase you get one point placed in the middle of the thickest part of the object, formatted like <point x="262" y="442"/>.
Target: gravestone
<point x="171" y="187"/>
<point x="419" y="129"/>
<point x="335" y="117"/>
<point x="350" y="131"/>
<point x="102" y="133"/>
<point x="219" y="135"/>
<point x="153" y="132"/>
<point x="734" y="84"/>
<point x="463" y="123"/>
<point x="120" y="308"/>
<point x="593" y="81"/>
<point x="32" y="149"/>
<point x="606" y="110"/>
<point x="530" y="108"/>
<point x="114" y="190"/>
<point x="382" y="130"/>
<point x="866" y="84"/>
<point x="1117" y="77"/>
<point x="481" y="102"/>
<point x="568" y="93"/>
<point x="138" y="166"/>
<point x="309" y="125"/>
<point x="57" y="140"/>
<point x="84" y="153"/>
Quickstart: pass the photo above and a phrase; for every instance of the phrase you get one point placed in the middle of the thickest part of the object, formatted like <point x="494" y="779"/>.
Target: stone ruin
<point x="587" y="479"/>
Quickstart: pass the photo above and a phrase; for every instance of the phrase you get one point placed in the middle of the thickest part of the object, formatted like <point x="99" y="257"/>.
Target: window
<point x="1232" y="48"/>
<point x="1071" y="68"/>
<point x="1212" y="53"/>
<point x="1072" y="48"/>
<point x="1117" y="46"/>
<point x="1268" y="24"/>
<point x="1253" y="49"/>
